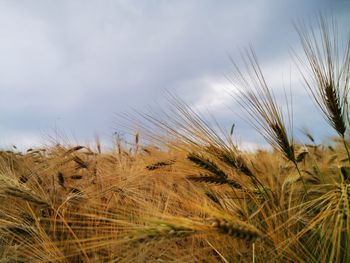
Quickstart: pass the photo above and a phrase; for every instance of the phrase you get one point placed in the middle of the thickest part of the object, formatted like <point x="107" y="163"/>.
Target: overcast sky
<point x="72" y="65"/>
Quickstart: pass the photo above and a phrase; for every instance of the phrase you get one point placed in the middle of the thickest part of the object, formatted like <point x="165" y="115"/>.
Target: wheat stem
<point x="301" y="177"/>
<point x="346" y="147"/>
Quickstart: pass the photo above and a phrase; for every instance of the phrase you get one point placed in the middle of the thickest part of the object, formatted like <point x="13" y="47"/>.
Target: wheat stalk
<point x="206" y="164"/>
<point x="328" y="75"/>
<point x="215" y="180"/>
<point x="259" y="102"/>
<point x="236" y="228"/>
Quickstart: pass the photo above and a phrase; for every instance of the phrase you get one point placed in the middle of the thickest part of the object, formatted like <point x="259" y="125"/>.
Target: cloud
<point x="74" y="64"/>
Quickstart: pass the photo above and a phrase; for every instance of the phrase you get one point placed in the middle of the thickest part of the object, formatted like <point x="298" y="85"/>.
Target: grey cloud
<point x="76" y="63"/>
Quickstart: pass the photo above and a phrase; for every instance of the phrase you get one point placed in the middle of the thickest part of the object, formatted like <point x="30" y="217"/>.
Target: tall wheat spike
<point x="258" y="100"/>
<point x="328" y="73"/>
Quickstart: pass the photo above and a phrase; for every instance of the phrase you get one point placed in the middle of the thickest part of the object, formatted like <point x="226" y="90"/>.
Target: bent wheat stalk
<point x="259" y="102"/>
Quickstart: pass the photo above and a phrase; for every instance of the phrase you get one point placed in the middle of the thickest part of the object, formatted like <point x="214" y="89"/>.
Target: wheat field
<point x="190" y="194"/>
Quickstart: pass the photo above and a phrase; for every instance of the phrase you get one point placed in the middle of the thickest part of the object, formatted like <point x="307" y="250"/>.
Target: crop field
<point x="190" y="194"/>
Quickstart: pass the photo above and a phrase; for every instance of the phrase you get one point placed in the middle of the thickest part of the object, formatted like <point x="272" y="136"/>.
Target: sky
<point x="69" y="68"/>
